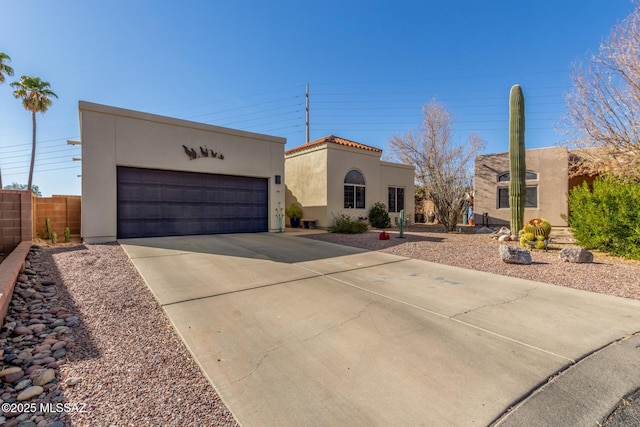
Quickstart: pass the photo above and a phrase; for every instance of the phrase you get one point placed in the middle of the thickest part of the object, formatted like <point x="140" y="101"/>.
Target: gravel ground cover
<point x="607" y="274"/>
<point x="128" y="367"/>
<point x="125" y="366"/>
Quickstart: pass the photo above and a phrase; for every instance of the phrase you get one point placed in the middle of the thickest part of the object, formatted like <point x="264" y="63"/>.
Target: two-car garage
<point x="145" y="175"/>
<point x="155" y="203"/>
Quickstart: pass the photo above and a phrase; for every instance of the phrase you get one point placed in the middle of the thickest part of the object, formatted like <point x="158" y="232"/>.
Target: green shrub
<point x="67" y="235"/>
<point x="379" y="216"/>
<point x="294" y="211"/>
<point x="345" y="224"/>
<point x="54" y="237"/>
<point x="607" y="218"/>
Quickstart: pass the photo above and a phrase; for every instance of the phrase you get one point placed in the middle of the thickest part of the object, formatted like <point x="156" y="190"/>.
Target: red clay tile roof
<point x="335" y="140"/>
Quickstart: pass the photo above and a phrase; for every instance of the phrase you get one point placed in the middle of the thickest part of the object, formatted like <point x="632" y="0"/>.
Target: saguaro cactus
<point x="402" y="223"/>
<point x="517" y="167"/>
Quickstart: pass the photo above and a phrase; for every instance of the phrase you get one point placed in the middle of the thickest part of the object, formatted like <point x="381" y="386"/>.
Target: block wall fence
<point x="16" y="219"/>
<point x="22" y="217"/>
<point x="62" y="211"/>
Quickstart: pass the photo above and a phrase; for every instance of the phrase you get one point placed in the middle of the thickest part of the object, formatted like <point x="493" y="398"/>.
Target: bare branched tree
<point x="604" y="106"/>
<point x="443" y="167"/>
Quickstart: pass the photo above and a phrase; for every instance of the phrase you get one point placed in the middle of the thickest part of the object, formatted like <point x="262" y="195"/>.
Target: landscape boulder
<point x="484" y="230"/>
<point x="514" y="255"/>
<point x="577" y="255"/>
<point x="504" y="231"/>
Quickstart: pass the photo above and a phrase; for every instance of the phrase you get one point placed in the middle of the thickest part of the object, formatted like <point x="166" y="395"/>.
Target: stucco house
<point x="145" y="175"/>
<point x="332" y="175"/>
<point x="549" y="179"/>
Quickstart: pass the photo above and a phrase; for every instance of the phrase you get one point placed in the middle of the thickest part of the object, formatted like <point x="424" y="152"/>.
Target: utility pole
<point x="307" y="110"/>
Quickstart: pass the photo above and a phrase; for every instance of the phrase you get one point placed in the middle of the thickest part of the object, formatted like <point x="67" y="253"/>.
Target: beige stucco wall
<point x="117" y="137"/>
<point x="341" y="160"/>
<point x="398" y="175"/>
<point x="306" y="182"/>
<point x="551" y="165"/>
<point x="315" y="179"/>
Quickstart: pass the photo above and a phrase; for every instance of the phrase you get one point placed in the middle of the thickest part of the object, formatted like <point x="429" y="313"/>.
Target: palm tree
<point x="36" y="97"/>
<point x="4" y="69"/>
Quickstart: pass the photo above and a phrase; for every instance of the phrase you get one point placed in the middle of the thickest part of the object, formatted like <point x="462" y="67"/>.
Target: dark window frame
<point x="395" y="202"/>
<point x="531" y="198"/>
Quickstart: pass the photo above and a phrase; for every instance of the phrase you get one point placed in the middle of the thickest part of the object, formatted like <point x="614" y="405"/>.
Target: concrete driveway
<point x="294" y="331"/>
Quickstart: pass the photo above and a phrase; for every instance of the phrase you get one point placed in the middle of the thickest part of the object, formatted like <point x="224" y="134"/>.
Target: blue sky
<point x="370" y="65"/>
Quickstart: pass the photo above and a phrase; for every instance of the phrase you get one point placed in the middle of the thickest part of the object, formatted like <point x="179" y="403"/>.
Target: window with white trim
<point x="354" y="190"/>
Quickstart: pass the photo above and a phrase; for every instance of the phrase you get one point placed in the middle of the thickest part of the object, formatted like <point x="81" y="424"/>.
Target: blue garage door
<point x="153" y="203"/>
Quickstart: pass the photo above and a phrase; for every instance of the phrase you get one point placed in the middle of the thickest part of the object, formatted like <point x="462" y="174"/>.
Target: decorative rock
<point x="45" y="376"/>
<point x="23" y="384"/>
<point x="37" y="328"/>
<point x="57" y="323"/>
<point x="62" y="330"/>
<point x="73" y="381"/>
<point x="504" y="231"/>
<point x="21" y="330"/>
<point x="577" y="255"/>
<point x="10" y="371"/>
<point x="514" y="255"/>
<point x="504" y="238"/>
<point x="484" y="230"/>
<point x="12" y="374"/>
<point x="58" y="345"/>
<point x="47" y="282"/>
<point x="58" y="354"/>
<point x="33" y="391"/>
<point x="32" y="368"/>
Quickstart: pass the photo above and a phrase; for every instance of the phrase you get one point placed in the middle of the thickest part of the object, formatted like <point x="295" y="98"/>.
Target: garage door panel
<point x="170" y="203"/>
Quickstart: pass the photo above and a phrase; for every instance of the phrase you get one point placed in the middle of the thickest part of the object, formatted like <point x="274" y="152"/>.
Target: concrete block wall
<point x="62" y="211"/>
<point x="16" y="219"/>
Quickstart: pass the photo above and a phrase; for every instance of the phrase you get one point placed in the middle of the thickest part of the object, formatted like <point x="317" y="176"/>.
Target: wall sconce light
<point x="278" y="179"/>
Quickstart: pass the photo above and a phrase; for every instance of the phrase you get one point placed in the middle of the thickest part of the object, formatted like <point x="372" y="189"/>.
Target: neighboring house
<point x="548" y="183"/>
<point x="333" y="175"/>
<point x="146" y="175"/>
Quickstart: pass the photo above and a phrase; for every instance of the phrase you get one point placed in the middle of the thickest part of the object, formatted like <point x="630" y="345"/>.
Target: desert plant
<point x="294" y="211"/>
<point x="535" y="233"/>
<point x="539" y="227"/>
<point x="54" y="237"/>
<point x="67" y="235"/>
<point x="517" y="168"/>
<point x="345" y="224"/>
<point x="47" y="228"/>
<point x="379" y="216"/>
<point x="402" y="223"/>
<point x="607" y="217"/>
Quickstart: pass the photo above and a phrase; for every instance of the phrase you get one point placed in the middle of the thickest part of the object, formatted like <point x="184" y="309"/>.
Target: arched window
<point x="354" y="190"/>
<point x="505" y="177"/>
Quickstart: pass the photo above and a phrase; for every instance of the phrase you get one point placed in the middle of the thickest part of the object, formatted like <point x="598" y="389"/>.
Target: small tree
<point x="603" y="110"/>
<point x="16" y="186"/>
<point x="442" y="167"/>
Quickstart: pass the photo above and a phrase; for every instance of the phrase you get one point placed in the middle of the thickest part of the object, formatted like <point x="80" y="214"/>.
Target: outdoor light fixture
<point x="278" y="179"/>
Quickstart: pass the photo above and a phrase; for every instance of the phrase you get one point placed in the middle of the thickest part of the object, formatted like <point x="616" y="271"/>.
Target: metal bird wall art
<point x="204" y="152"/>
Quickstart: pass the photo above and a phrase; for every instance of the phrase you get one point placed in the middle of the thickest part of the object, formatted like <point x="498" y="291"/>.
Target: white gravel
<point x="135" y="370"/>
